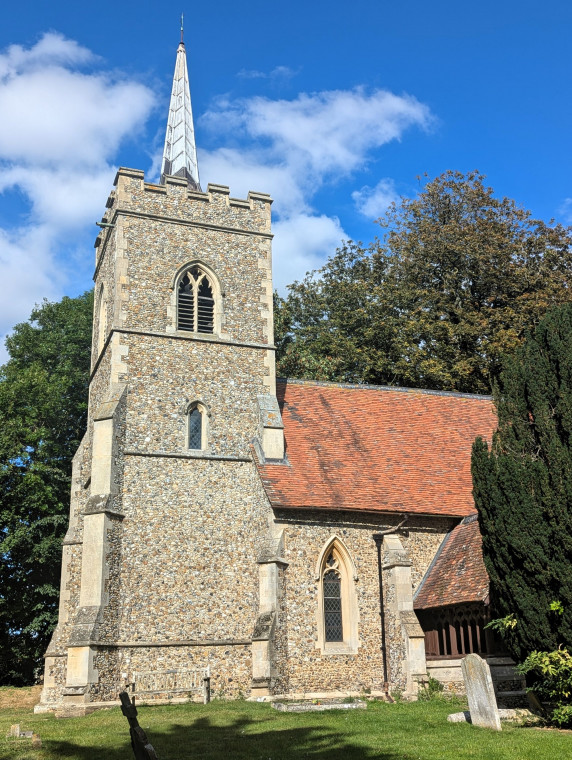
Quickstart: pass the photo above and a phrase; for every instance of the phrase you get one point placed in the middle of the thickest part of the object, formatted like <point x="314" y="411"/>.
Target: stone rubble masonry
<point x="303" y="668"/>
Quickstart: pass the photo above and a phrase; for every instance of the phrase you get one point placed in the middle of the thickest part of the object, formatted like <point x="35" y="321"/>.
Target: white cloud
<point x="61" y="116"/>
<point x="322" y="133"/>
<point x="278" y="72"/>
<point x="298" y="145"/>
<point x="28" y="275"/>
<point x="51" y="49"/>
<point x="26" y="265"/>
<point x="301" y="243"/>
<point x="565" y="210"/>
<point x="372" y="202"/>
<point x="63" y="197"/>
<point x="294" y="147"/>
<point x="251" y="169"/>
<point x="59" y="133"/>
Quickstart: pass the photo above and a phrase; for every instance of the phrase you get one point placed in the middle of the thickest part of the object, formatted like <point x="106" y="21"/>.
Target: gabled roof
<point x="376" y="448"/>
<point x="458" y="573"/>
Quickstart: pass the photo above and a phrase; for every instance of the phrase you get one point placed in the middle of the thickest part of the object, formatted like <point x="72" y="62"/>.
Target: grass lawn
<point x="252" y="731"/>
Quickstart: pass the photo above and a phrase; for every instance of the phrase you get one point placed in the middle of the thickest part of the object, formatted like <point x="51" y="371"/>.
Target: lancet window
<point x="332" y="588"/>
<point x="337" y="600"/>
<point x="195" y="302"/>
<point x="196" y="427"/>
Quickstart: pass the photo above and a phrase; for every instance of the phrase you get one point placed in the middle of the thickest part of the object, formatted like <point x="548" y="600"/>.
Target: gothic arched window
<point x="337" y="601"/>
<point x="195" y="302"/>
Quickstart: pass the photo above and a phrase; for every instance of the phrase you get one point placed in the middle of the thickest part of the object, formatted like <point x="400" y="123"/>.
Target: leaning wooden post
<point x="142" y="749"/>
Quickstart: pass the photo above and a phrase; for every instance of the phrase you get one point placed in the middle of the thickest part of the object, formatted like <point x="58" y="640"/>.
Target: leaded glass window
<point x="332" y="605"/>
<point x="195" y="304"/>
<point x="195" y="429"/>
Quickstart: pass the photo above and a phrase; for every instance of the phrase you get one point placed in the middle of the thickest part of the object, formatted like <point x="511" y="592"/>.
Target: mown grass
<point x="252" y="731"/>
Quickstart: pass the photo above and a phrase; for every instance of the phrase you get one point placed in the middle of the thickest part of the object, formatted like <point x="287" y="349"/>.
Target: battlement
<point x="176" y="200"/>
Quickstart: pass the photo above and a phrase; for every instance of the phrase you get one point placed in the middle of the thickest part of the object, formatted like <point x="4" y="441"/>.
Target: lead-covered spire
<point x="180" y="153"/>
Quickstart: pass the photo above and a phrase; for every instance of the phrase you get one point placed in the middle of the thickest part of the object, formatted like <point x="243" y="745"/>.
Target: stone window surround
<point x="171" y="326"/>
<point x="350" y="613"/>
<point x="205" y="416"/>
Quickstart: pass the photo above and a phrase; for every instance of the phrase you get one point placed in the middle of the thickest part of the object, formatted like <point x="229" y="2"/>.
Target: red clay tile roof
<point x="376" y="448"/>
<point x="458" y="573"/>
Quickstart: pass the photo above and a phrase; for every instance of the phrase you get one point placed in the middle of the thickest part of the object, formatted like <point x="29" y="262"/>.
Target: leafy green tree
<point x="332" y="325"/>
<point x="43" y="406"/>
<point x="453" y="284"/>
<point x="523" y="491"/>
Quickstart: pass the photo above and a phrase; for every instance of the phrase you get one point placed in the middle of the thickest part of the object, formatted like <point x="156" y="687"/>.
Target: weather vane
<point x="181" y="27"/>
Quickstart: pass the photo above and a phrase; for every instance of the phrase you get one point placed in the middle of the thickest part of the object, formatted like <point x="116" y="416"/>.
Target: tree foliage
<point x="523" y="491"/>
<point x="43" y="406"/>
<point x="552" y="674"/>
<point x="453" y="284"/>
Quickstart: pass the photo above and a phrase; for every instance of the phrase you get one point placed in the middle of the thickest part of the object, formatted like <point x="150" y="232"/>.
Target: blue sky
<point x="334" y="108"/>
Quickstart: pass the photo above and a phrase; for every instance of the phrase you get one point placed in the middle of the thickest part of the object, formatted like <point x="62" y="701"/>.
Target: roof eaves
<point x="368" y="510"/>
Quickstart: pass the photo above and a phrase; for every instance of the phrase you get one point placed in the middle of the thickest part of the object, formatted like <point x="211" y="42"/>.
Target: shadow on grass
<point x="243" y="739"/>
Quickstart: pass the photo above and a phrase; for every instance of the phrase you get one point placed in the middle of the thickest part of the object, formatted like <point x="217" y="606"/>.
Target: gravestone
<point x="480" y="692"/>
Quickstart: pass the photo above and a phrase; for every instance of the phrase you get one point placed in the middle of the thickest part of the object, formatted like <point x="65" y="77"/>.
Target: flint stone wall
<point x="163" y="228"/>
<point x="191" y="537"/>
<point x="166" y="374"/>
<point x="230" y="667"/>
<point x="306" y="668"/>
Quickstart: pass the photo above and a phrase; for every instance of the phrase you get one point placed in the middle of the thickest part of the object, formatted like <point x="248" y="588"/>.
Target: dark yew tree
<point x="523" y="490"/>
<point x="456" y="280"/>
<point x="43" y="407"/>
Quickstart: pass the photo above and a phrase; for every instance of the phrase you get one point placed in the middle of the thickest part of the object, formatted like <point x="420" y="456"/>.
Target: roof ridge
<point x="368" y="387"/>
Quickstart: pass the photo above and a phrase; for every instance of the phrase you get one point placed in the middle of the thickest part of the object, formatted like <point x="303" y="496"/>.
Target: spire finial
<point x="182" y="41"/>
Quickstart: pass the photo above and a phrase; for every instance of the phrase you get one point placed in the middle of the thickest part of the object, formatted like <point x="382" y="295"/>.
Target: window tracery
<point x="195" y="301"/>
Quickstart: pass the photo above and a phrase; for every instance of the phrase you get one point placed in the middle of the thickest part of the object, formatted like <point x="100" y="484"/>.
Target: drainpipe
<point x="378" y="538"/>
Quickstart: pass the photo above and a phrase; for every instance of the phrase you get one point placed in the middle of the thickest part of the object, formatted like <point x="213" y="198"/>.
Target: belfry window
<point x="196" y="426"/>
<point x="195" y="302"/>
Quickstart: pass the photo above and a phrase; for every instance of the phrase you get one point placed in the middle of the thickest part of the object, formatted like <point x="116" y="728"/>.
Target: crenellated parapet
<point x="175" y="201"/>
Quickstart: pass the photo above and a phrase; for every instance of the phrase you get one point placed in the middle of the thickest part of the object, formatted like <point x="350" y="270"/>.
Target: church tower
<point x="160" y="580"/>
